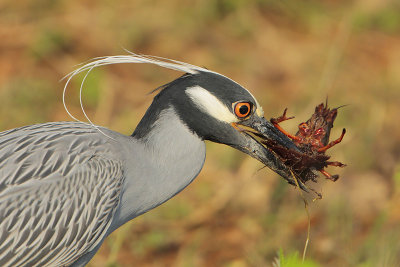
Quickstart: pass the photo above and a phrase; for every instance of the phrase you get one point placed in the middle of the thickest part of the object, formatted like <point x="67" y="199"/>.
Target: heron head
<point x="211" y="105"/>
<point x="220" y="110"/>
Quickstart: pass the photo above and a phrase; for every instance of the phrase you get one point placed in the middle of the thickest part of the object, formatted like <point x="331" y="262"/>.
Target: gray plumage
<point x="65" y="186"/>
<point x="58" y="180"/>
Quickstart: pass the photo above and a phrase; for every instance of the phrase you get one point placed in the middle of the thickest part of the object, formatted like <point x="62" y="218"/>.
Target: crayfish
<point x="312" y="141"/>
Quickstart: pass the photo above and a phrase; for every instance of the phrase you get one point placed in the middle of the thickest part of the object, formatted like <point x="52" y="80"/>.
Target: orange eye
<point x="242" y="109"/>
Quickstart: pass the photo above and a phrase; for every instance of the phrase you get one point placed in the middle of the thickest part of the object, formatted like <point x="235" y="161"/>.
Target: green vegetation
<point x="293" y="260"/>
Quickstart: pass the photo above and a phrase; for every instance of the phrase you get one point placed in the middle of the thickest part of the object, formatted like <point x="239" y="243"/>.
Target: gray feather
<point x="55" y="211"/>
<point x="65" y="186"/>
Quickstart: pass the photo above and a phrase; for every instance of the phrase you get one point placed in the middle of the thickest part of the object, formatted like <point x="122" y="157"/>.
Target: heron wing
<point x="59" y="188"/>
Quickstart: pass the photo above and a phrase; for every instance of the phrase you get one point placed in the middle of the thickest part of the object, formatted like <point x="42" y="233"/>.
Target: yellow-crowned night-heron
<point x="65" y="186"/>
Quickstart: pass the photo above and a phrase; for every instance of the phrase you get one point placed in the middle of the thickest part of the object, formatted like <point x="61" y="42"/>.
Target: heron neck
<point x="165" y="161"/>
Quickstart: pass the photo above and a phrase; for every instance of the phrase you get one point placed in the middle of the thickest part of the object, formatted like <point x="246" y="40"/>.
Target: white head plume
<point x="132" y="58"/>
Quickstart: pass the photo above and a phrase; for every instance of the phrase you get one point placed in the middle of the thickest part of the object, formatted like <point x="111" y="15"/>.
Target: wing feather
<point x="59" y="188"/>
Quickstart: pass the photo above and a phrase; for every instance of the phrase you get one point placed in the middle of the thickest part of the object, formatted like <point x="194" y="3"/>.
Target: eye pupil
<point x="244" y="109"/>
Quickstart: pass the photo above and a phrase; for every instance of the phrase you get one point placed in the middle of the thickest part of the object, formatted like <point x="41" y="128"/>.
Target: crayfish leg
<point x="335" y="163"/>
<point x="334" y="142"/>
<point x="328" y="176"/>
<point x="276" y="121"/>
<point x="281" y="118"/>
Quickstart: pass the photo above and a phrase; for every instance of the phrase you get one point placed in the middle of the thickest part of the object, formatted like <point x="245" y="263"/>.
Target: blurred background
<point x="288" y="53"/>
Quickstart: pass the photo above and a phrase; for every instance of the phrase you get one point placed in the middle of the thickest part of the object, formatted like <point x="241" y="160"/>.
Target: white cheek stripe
<point x="210" y="104"/>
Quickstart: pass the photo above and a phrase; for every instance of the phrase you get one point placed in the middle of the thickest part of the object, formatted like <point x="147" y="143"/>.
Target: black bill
<point x="260" y="127"/>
